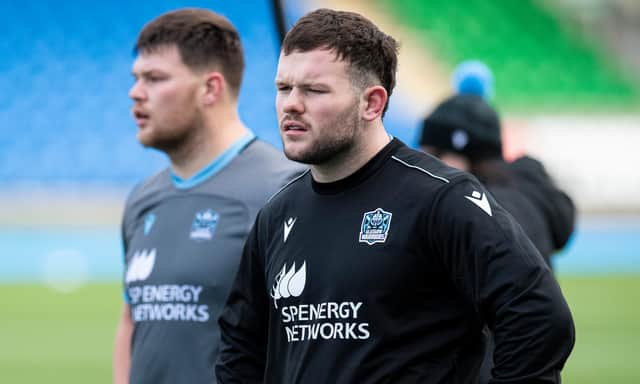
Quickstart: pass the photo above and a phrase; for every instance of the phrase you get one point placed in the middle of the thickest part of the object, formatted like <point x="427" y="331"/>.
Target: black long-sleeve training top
<point x="390" y="276"/>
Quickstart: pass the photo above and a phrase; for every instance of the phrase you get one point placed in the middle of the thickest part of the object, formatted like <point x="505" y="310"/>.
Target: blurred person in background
<point x="464" y="132"/>
<point x="381" y="264"/>
<point x="183" y="228"/>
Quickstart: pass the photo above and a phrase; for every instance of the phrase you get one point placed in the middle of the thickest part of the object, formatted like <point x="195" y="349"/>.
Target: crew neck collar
<point x="361" y="174"/>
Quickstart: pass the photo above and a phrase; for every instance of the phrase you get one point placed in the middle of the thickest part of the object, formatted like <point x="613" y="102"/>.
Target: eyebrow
<point x="147" y="72"/>
<point x="302" y="85"/>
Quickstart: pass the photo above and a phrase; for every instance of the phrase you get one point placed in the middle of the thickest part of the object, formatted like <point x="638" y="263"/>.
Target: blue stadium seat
<point x="65" y="71"/>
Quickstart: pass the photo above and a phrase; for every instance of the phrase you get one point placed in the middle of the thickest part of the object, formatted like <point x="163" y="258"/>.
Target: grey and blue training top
<point x="183" y="240"/>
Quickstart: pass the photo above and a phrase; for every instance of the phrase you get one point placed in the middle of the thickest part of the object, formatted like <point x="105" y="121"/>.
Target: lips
<point x="140" y="116"/>
<point x="293" y="126"/>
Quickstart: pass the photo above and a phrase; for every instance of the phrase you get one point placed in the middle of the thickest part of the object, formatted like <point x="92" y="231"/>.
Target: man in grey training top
<point x="183" y="229"/>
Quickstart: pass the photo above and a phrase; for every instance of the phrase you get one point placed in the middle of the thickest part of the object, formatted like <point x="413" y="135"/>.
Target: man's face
<point x="165" y="96"/>
<point x="318" y="107"/>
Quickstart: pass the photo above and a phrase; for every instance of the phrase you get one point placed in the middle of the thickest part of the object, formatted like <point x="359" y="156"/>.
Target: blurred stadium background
<point x="567" y="85"/>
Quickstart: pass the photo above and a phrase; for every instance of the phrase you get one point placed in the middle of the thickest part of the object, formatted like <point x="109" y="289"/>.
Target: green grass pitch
<point x="48" y="337"/>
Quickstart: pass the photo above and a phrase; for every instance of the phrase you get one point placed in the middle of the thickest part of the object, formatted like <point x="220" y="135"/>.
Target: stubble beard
<point x="175" y="140"/>
<point x="338" y="139"/>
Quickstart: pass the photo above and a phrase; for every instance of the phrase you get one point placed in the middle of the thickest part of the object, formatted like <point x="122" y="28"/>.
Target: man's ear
<point x="375" y="98"/>
<point x="214" y="87"/>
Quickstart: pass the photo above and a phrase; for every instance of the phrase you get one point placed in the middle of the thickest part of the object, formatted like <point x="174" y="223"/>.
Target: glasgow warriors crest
<point x="375" y="226"/>
<point x="204" y="225"/>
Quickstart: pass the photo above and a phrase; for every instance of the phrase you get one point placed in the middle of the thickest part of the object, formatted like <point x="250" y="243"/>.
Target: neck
<point x="366" y="146"/>
<point x="218" y="133"/>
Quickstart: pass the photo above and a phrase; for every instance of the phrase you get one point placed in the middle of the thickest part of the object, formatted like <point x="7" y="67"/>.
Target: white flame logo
<point x="141" y="265"/>
<point x="289" y="282"/>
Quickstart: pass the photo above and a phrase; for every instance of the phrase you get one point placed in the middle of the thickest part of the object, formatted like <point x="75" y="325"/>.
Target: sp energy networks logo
<point x="326" y="320"/>
<point x="163" y="302"/>
<point x="289" y="282"/>
<point x="141" y="265"/>
<point x="375" y="226"/>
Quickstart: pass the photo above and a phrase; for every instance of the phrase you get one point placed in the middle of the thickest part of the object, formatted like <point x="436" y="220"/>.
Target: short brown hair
<point x="372" y="54"/>
<point x="203" y="38"/>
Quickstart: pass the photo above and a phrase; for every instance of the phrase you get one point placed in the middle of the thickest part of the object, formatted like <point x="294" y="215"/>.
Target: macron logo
<point x="480" y="199"/>
<point x="288" y="226"/>
<point x="289" y="282"/>
<point x="141" y="265"/>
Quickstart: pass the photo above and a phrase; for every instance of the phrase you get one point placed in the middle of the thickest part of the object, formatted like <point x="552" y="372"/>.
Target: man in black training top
<point x="381" y="264"/>
<point x="183" y="229"/>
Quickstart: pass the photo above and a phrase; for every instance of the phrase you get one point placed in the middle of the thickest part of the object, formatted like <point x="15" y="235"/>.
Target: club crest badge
<point x="204" y="225"/>
<point x="375" y="226"/>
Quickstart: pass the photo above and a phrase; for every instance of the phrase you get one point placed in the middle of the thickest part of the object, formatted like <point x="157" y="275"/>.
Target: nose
<point x="292" y="102"/>
<point x="136" y="92"/>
